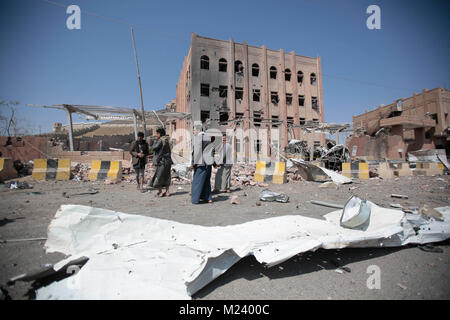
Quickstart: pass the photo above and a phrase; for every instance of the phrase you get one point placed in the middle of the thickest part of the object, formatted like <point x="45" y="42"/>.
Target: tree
<point x="10" y="123"/>
<point x="8" y="118"/>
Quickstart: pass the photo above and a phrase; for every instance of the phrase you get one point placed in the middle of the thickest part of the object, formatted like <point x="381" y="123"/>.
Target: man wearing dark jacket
<point x="139" y="151"/>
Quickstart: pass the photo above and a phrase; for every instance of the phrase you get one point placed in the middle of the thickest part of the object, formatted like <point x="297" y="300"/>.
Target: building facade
<point x="250" y="90"/>
<point x="419" y="122"/>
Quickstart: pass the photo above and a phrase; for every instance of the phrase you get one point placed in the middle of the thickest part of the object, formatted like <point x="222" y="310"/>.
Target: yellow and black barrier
<point x="428" y="169"/>
<point x="7" y="170"/>
<point x="102" y="170"/>
<point x="274" y="172"/>
<point x="359" y="170"/>
<point x="51" y="169"/>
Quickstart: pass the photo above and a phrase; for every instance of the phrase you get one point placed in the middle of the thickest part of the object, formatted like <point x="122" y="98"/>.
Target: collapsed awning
<point x="138" y="257"/>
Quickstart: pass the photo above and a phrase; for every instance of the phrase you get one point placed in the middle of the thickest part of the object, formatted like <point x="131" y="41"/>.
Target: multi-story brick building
<point x="419" y="122"/>
<point x="227" y="85"/>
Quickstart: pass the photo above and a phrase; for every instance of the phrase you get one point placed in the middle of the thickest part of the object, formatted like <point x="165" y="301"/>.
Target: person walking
<point x="139" y="151"/>
<point x="162" y="160"/>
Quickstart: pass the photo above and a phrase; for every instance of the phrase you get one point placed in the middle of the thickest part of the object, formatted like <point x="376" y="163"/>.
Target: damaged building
<point x="407" y="125"/>
<point x="229" y="85"/>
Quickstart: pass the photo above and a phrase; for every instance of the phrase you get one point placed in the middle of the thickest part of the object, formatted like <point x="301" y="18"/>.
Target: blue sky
<point x="42" y="62"/>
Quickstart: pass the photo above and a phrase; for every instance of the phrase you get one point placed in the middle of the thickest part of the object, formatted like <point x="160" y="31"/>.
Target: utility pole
<point x="140" y="86"/>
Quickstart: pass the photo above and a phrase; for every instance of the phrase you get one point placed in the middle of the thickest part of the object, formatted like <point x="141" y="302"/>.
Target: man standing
<point x="139" y="151"/>
<point x="223" y="175"/>
<point x="162" y="161"/>
<point x="201" y="182"/>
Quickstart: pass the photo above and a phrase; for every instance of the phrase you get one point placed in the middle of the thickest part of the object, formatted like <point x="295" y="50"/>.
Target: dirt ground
<point x="406" y="272"/>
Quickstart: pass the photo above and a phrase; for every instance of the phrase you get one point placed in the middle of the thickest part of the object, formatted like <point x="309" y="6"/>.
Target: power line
<point x="125" y="23"/>
<point x="119" y="21"/>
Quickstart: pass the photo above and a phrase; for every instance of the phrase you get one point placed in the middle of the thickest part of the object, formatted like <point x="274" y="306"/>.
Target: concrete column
<point x="69" y="120"/>
<point x="135" y="125"/>
<point x="231" y="81"/>
<point x="442" y="125"/>
<point x="295" y="96"/>
<point x="246" y="105"/>
<point x="283" y="109"/>
<point x="320" y="96"/>
<point x="266" y="98"/>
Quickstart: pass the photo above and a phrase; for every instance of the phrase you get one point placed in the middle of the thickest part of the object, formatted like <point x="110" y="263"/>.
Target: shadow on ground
<point x="250" y="269"/>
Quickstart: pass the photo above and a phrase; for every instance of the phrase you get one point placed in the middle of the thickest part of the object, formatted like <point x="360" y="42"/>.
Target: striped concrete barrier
<point x="392" y="170"/>
<point x="427" y="169"/>
<point x="274" y="172"/>
<point x="359" y="170"/>
<point x="102" y="170"/>
<point x="7" y="170"/>
<point x="51" y="169"/>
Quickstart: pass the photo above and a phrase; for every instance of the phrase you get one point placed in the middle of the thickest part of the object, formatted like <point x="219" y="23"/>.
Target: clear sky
<point x="43" y="62"/>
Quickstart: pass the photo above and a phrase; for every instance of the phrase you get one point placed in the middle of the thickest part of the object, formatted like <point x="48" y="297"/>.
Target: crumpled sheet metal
<point x="138" y="257"/>
<point x="311" y="172"/>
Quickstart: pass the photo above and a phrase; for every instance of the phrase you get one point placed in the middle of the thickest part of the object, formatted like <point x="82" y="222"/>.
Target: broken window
<point x="204" y="90"/>
<point x="273" y="72"/>
<point x="289" y="99"/>
<point x="300" y="77"/>
<point x="434" y="117"/>
<point x="301" y="100"/>
<point x="222" y="65"/>
<point x="302" y="121"/>
<point x="238" y="67"/>
<point x="223" y="117"/>
<point x="239" y="115"/>
<point x="316" y="121"/>
<point x="287" y="75"/>
<point x="204" y="116"/>
<point x="204" y="62"/>
<point x="290" y="120"/>
<point x="274" y="121"/>
<point x="257" y="118"/>
<point x="316" y="143"/>
<point x="313" y="79"/>
<point x="258" y="146"/>
<point x="223" y="91"/>
<point x="314" y="103"/>
<point x="255" y="70"/>
<point x="274" y="97"/>
<point x="256" y="94"/>
<point x="239" y="93"/>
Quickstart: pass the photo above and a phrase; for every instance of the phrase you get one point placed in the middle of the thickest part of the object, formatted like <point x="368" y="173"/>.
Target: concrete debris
<point x="326" y="204"/>
<point x="428" y="212"/>
<point x="175" y="260"/>
<point x="20" y="185"/>
<point x="399" y="196"/>
<point x="329" y="184"/>
<point x="402" y="286"/>
<point x="235" y="200"/>
<point x="269" y="196"/>
<point x="114" y="181"/>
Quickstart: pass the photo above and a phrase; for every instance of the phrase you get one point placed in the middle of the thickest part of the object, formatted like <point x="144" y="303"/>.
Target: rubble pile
<point x="242" y="175"/>
<point x="80" y="171"/>
<point x="293" y="175"/>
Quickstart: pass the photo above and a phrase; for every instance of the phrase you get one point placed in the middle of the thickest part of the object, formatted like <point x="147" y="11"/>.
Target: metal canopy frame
<point x="108" y="112"/>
